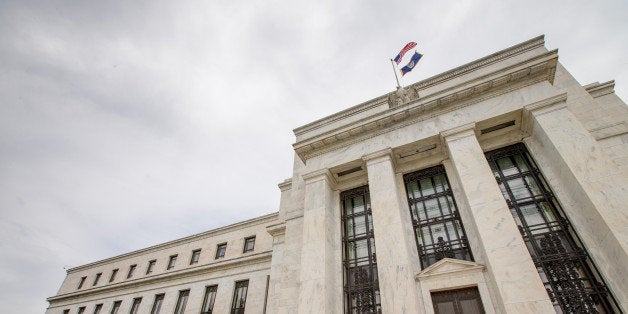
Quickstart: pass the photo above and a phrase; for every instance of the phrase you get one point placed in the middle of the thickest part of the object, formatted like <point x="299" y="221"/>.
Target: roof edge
<point x="177" y="241"/>
<point x="465" y="68"/>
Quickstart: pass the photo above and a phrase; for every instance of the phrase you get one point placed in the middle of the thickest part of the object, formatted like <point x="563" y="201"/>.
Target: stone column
<point x="321" y="269"/>
<point x="516" y="281"/>
<point x="278" y="232"/>
<point x="591" y="187"/>
<point x="398" y="289"/>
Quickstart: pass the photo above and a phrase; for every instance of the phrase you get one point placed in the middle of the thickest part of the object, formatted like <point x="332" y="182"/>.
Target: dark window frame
<point x="98" y="308"/>
<point x="157" y="303"/>
<point x="135" y="306"/>
<point x="131" y="271"/>
<point x="240" y="293"/>
<point x="172" y="261"/>
<point x="208" y="302"/>
<point x="248" y="240"/>
<point x="81" y="282"/>
<point x="196" y="257"/>
<point x="116" y="307"/>
<point x="114" y="272"/>
<point x="555" y="247"/>
<point x="454" y="298"/>
<point x="96" y="279"/>
<point x="151" y="266"/>
<point x="360" y="277"/>
<point x="438" y="230"/>
<point x="182" y="301"/>
<point x="221" y="250"/>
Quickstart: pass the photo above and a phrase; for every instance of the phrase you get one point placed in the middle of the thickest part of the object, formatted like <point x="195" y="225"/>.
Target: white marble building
<point x="495" y="187"/>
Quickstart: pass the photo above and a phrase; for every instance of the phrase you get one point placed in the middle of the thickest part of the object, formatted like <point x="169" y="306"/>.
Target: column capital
<point x="547" y="105"/>
<point x="378" y="156"/>
<point x="317" y="175"/>
<point x="285" y="185"/>
<point x="458" y="132"/>
<point x="277" y="229"/>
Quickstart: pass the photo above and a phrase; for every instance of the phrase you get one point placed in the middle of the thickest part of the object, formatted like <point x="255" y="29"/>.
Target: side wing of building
<point x="217" y="271"/>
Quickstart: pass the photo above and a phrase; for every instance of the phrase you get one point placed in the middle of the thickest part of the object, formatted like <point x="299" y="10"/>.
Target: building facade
<point x="496" y="187"/>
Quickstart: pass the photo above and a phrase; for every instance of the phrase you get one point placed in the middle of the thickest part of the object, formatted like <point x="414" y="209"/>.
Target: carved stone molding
<point x="528" y="72"/>
<point x="600" y="89"/>
<point x="533" y="43"/>
<point x="547" y="105"/>
<point x="285" y="185"/>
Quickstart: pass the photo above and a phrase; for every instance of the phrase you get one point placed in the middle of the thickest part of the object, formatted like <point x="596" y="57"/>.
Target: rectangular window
<point x="196" y="255"/>
<point x="208" y="300"/>
<point x="113" y="275"/>
<point x="81" y="282"/>
<point x="98" y="308"/>
<point x="116" y="307"/>
<point x="172" y="261"/>
<point x="557" y="251"/>
<point x="159" y="299"/>
<point x="136" y="306"/>
<point x="361" y="283"/>
<point x="182" y="302"/>
<point x="457" y="301"/>
<point x="151" y="265"/>
<point x="131" y="270"/>
<point x="220" y="250"/>
<point x="249" y="244"/>
<point x="239" y="297"/>
<point x="97" y="278"/>
<point x="81" y="310"/>
<point x="436" y="221"/>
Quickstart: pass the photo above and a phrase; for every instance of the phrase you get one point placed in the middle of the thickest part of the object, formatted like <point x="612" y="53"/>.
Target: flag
<point x="403" y="51"/>
<point x="413" y="61"/>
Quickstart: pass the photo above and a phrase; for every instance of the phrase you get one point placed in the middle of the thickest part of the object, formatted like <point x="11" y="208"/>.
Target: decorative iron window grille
<point x="571" y="279"/>
<point x="435" y="219"/>
<point x="361" y="284"/>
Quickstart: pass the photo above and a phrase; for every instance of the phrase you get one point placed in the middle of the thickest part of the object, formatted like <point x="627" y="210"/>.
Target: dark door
<point x="460" y="301"/>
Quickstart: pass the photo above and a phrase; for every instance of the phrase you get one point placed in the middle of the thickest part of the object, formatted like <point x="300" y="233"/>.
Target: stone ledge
<point x="187" y="272"/>
<point x="533" y="70"/>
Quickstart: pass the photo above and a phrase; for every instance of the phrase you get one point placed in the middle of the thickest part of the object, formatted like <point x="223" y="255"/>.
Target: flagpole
<point x="395" y="71"/>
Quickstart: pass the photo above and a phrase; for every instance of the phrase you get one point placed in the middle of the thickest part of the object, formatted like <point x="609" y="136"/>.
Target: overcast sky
<point x="125" y="124"/>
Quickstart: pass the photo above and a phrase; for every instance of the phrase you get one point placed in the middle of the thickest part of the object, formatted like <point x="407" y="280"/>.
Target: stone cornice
<point x="597" y="90"/>
<point x="285" y="185"/>
<point x="261" y="257"/>
<point x="276" y="229"/>
<point x="541" y="107"/>
<point x="206" y="234"/>
<point x="531" y="71"/>
<point x="457" y="131"/>
<point x="375" y="156"/>
<point x="533" y="43"/>
<point x="322" y="174"/>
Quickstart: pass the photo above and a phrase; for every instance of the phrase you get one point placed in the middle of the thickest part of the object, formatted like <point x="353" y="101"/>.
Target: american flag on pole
<point x="403" y="51"/>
